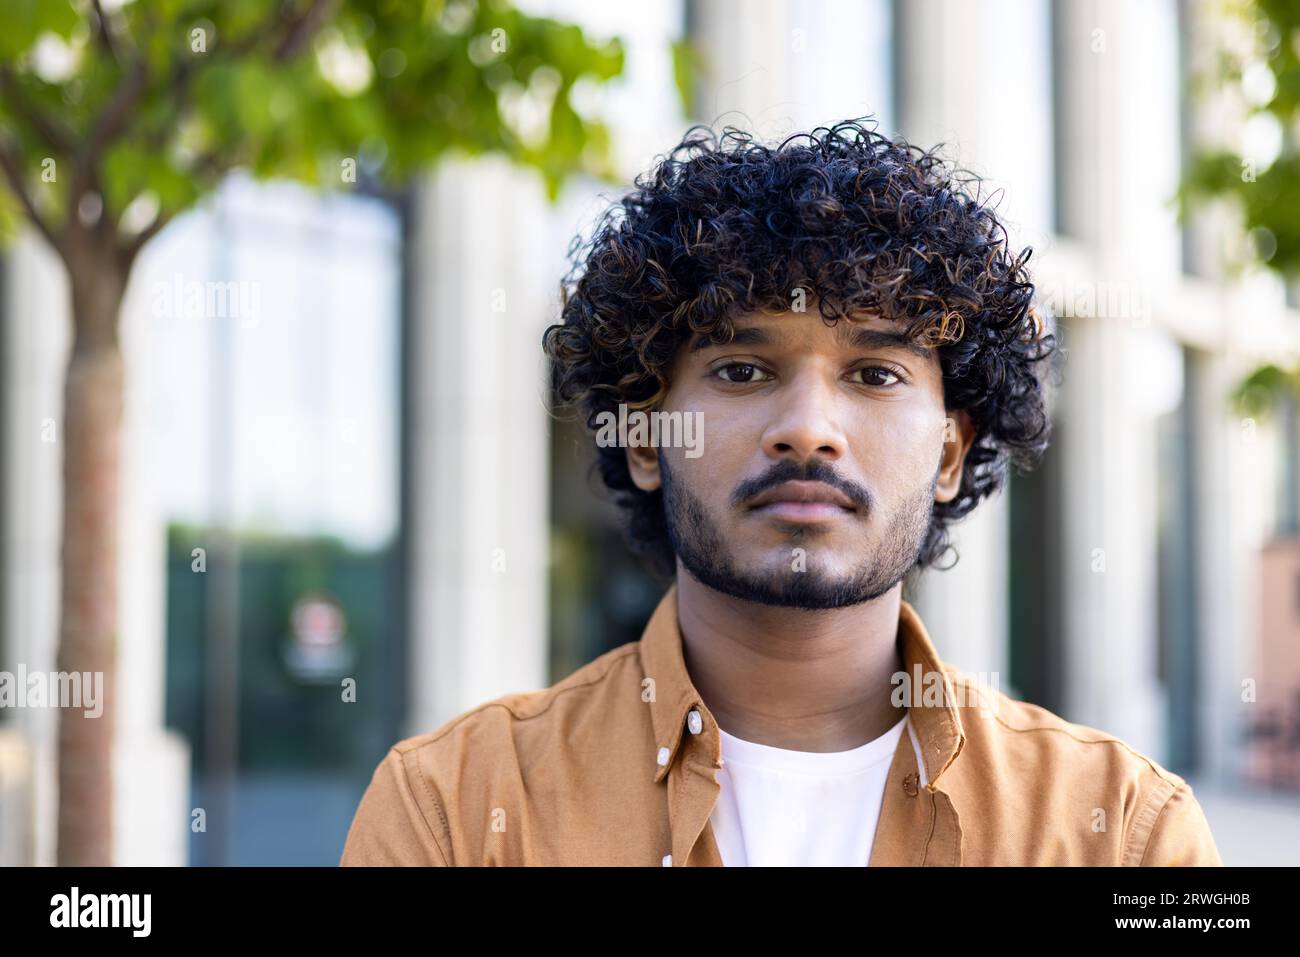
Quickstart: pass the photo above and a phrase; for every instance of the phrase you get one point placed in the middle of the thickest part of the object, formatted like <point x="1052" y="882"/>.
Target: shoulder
<point x="1080" y="777"/>
<point x="435" y="795"/>
<point x="518" y="718"/>
<point x="993" y="719"/>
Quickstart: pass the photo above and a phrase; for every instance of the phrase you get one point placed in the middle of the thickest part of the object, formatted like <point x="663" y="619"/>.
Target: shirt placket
<point x="693" y="791"/>
<point x="918" y="825"/>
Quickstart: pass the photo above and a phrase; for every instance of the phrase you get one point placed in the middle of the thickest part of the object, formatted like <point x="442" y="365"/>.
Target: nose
<point x="805" y="422"/>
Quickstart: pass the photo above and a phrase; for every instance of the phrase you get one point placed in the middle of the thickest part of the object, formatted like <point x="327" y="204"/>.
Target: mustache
<point x="788" y="471"/>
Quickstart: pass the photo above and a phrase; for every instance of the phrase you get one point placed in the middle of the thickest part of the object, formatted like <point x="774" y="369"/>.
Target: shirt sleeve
<point x="1181" y="835"/>
<point x="392" y="826"/>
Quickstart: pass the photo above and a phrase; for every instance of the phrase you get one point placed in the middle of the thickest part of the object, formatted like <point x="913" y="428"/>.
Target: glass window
<point x="274" y="390"/>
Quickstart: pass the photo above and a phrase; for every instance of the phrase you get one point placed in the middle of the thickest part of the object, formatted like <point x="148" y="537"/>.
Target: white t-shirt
<point x="800" y="808"/>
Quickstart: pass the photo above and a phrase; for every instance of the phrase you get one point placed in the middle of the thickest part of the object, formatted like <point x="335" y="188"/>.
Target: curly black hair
<point x="725" y="225"/>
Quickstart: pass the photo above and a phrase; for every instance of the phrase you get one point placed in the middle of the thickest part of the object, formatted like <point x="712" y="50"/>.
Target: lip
<point x="803" y="502"/>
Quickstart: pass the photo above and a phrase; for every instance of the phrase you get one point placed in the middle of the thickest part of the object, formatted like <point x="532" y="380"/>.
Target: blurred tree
<point x="116" y="116"/>
<point x="1263" y="68"/>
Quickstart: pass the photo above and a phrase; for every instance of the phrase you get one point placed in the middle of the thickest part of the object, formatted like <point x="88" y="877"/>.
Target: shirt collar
<point x="672" y="696"/>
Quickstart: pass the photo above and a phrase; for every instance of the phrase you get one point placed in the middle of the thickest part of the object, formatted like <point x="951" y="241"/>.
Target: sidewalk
<point x="1252" y="828"/>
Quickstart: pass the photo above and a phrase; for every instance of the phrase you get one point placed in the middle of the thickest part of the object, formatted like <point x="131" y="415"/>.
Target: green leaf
<point x="25" y="20"/>
<point x="1260" y="392"/>
<point x="686" y="69"/>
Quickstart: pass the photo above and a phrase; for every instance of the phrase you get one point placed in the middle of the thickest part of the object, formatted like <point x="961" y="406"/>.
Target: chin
<point x="818" y="561"/>
<point x="780" y="576"/>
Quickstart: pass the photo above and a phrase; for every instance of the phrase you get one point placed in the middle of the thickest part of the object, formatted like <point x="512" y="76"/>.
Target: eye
<point x="875" y="373"/>
<point x="740" y="373"/>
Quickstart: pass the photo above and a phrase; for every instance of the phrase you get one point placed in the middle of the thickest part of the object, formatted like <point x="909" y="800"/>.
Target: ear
<point x="643" y="463"/>
<point x="958" y="436"/>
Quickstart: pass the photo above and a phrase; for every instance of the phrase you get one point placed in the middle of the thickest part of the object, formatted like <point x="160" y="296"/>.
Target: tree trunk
<point x="92" y="424"/>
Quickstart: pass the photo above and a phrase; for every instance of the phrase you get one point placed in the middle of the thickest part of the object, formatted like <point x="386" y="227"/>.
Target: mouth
<point x="803" y="503"/>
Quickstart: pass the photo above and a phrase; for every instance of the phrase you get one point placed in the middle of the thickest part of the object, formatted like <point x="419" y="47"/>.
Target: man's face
<point x="824" y="450"/>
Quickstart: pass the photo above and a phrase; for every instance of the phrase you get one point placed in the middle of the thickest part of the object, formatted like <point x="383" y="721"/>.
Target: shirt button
<point x="663" y="756"/>
<point x="694" y="722"/>
<point x="909" y="785"/>
<point x="668" y="860"/>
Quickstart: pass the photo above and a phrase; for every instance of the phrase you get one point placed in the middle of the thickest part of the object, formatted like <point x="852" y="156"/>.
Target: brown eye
<point x="879" y="375"/>
<point x="740" y="373"/>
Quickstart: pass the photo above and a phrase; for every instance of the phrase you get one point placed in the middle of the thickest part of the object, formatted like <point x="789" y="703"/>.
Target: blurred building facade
<point x="1121" y="585"/>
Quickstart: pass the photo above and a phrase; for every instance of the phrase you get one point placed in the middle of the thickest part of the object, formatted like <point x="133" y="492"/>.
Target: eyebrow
<point x="857" y="337"/>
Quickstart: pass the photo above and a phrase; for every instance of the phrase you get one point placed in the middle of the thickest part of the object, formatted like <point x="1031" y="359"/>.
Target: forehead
<point x="793" y="330"/>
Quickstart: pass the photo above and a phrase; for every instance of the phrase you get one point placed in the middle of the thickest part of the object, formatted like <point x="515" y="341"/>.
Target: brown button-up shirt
<point x="616" y="765"/>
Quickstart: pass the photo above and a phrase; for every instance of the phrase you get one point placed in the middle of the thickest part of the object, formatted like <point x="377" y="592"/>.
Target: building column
<point x="1235" y="463"/>
<point x="1111" y="392"/>
<point x="37" y="331"/>
<point x="1108" y="449"/>
<point x="480" y="441"/>
<point x="775" y="68"/>
<point x="955" y="60"/>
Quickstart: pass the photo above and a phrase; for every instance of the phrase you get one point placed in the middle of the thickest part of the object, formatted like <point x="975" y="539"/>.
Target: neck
<point x="794" y="678"/>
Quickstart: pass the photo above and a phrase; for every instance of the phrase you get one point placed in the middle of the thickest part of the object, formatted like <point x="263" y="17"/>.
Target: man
<point x="845" y="323"/>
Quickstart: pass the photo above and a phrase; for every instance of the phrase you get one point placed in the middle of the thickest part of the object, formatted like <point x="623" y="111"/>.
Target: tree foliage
<point x="145" y="105"/>
<point x="1265" y="72"/>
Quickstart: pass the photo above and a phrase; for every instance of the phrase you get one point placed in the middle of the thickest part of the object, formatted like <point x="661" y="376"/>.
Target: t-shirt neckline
<point x="751" y="754"/>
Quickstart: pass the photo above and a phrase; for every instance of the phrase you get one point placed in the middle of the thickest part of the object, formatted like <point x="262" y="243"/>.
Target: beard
<point x="703" y="552"/>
